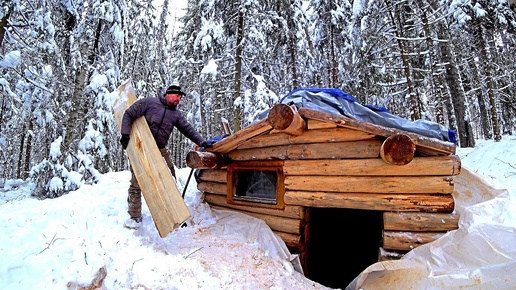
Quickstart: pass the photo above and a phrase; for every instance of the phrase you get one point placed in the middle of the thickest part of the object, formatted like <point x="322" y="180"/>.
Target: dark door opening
<point x="343" y="242"/>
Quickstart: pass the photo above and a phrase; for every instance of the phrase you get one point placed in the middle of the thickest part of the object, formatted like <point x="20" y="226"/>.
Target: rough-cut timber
<point x="165" y="204"/>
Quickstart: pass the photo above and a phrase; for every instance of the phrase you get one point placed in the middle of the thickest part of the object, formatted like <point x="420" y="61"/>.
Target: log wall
<point x="336" y="166"/>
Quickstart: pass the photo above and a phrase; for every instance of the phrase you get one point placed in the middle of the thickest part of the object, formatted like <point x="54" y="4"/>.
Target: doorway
<point x="343" y="242"/>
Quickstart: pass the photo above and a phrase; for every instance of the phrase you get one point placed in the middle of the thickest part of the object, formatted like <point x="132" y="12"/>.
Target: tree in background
<point x="60" y="62"/>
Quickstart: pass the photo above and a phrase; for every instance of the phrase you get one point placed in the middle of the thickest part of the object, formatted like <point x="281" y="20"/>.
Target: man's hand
<point x="124" y="140"/>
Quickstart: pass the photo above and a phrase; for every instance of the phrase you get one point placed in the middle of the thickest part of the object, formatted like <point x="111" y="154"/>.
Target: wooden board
<point x="165" y="203"/>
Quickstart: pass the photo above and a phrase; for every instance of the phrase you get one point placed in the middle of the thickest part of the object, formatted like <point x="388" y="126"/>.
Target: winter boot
<point x="133" y="223"/>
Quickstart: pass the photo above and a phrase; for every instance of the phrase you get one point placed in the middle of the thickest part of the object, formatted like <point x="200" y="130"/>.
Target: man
<point x="162" y="116"/>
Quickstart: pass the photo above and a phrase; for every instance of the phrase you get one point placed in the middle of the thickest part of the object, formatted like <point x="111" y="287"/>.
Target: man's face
<point x="172" y="99"/>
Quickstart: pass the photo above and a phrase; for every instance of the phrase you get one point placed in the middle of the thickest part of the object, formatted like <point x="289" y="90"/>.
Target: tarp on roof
<point x="335" y="101"/>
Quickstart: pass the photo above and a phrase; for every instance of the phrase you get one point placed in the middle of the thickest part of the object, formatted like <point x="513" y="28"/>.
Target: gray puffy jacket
<point x="161" y="120"/>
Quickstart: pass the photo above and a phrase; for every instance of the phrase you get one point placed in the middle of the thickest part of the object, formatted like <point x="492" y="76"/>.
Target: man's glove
<point x="206" y="144"/>
<point x="124" y="140"/>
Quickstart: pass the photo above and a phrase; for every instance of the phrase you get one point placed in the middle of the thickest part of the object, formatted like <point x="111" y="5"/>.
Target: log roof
<point x="425" y="146"/>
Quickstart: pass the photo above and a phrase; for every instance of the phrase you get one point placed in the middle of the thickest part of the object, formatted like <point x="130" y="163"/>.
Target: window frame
<point x="232" y="185"/>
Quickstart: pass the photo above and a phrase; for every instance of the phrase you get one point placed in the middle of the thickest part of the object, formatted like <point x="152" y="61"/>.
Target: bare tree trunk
<point x="238" y="70"/>
<point x="485" y="55"/>
<point x="28" y="150"/>
<point x="20" y="152"/>
<point x="292" y="45"/>
<point x="484" y="116"/>
<point x="333" y="59"/>
<point x="3" y="25"/>
<point x="457" y="108"/>
<point x="414" y="104"/>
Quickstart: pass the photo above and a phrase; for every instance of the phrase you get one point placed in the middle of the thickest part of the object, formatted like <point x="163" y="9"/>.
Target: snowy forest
<point x="450" y="61"/>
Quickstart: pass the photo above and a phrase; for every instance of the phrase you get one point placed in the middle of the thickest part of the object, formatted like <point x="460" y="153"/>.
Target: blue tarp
<point x="335" y="101"/>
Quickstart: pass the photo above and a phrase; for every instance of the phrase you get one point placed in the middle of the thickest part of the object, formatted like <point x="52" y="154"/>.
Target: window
<point x="258" y="186"/>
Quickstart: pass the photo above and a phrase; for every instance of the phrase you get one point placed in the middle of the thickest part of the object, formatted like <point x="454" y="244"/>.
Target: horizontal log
<point x="290" y="211"/>
<point x="371" y="184"/>
<point x="438" y="147"/>
<point x="231" y="142"/>
<point x="338" y="150"/>
<point x="420" y="221"/>
<point x="330" y="135"/>
<point x="407" y="241"/>
<point x="291" y="240"/>
<point x="286" y="119"/>
<point x="281" y="224"/>
<point x="316" y="124"/>
<point x="434" y="165"/>
<point x="398" y="149"/>
<point x="202" y="159"/>
<point x="372" y="201"/>
<point x="215" y="175"/>
<point x="212" y="187"/>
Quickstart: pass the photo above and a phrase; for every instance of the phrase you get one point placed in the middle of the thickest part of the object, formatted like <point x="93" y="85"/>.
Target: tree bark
<point x="3" y="25"/>
<point x="238" y="71"/>
<point x="486" y="56"/>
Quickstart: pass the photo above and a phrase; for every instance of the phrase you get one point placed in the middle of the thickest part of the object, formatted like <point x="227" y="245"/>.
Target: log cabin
<point x="327" y="183"/>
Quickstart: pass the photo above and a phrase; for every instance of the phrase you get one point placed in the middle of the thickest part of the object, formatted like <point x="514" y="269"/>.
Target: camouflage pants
<point x="134" y="198"/>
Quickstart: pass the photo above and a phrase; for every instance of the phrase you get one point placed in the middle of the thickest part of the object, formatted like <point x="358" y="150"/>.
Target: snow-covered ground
<point x="68" y="242"/>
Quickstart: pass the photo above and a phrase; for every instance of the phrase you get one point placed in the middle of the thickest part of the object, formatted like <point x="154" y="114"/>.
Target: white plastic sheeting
<point x="481" y="254"/>
<point x="251" y="230"/>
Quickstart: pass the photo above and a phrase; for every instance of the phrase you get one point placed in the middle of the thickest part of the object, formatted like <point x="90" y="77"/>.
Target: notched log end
<point x="398" y="149"/>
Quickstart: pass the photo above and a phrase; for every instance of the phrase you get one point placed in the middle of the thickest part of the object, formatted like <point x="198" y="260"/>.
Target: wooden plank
<point x="338" y="150"/>
<point x="281" y="224"/>
<point x="371" y="184"/>
<point x="324" y="135"/>
<point x="420" y="221"/>
<point x="291" y="211"/>
<point x="165" y="204"/>
<point x="212" y="187"/>
<point x="372" y="201"/>
<point x="433" y="165"/>
<point x="438" y="147"/>
<point x="231" y="142"/>
<point x="407" y="241"/>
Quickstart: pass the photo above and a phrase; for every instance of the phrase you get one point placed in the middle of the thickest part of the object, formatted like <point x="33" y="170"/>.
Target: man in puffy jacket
<point x="162" y="116"/>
